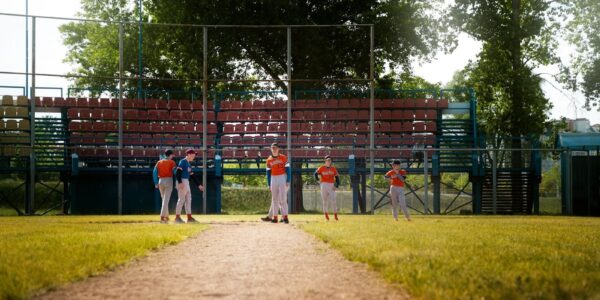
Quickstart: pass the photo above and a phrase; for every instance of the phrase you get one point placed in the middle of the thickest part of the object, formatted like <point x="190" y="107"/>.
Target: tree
<point x="517" y="37"/>
<point x="582" y="31"/>
<point x="404" y="30"/>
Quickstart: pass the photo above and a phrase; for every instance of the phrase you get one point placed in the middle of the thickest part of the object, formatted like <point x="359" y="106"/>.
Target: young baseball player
<point x="278" y="179"/>
<point x="163" y="181"/>
<point x="330" y="180"/>
<point x="183" y="174"/>
<point x="397" y="177"/>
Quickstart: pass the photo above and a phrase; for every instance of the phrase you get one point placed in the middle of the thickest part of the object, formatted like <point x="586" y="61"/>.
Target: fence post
<point x="494" y="179"/>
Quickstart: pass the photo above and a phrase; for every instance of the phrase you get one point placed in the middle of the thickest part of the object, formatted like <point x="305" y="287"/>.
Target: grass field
<point x="38" y="253"/>
<point x="433" y="257"/>
<point x="475" y="257"/>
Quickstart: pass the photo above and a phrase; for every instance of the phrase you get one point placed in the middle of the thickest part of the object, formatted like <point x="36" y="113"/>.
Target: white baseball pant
<point x="185" y="196"/>
<point x="397" y="194"/>
<point x="328" y="197"/>
<point x="279" y="194"/>
<point x="165" y="187"/>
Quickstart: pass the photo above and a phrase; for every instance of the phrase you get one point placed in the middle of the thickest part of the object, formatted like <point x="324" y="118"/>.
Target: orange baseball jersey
<point x="165" y="168"/>
<point x="327" y="174"/>
<point x="277" y="164"/>
<point x="396" y="180"/>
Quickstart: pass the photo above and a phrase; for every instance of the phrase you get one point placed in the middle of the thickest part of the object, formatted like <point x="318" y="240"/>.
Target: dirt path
<point x="238" y="261"/>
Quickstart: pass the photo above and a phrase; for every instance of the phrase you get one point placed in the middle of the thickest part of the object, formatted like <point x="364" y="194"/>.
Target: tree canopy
<point x="404" y="31"/>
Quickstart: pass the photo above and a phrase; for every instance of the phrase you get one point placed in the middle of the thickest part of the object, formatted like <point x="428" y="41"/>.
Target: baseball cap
<point x="396" y="162"/>
<point x="275" y="145"/>
<point x="327" y="157"/>
<point x="168" y="152"/>
<point x="190" y="151"/>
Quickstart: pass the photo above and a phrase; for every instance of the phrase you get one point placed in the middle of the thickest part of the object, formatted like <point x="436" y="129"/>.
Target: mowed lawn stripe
<point x="475" y="257"/>
<point x="38" y="253"/>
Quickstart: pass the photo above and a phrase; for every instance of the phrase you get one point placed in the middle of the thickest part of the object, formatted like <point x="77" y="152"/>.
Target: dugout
<point x="96" y="193"/>
<point x="580" y="173"/>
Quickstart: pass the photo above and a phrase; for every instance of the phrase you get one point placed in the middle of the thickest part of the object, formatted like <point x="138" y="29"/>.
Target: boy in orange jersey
<point x="397" y="177"/>
<point x="163" y="181"/>
<point x="278" y="178"/>
<point x="330" y="180"/>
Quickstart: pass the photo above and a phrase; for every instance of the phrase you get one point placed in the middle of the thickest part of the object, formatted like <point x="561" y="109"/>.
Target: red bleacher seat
<point x="431" y="126"/>
<point x="419" y="114"/>
<point x="188" y="127"/>
<point x="351" y="126"/>
<point x="130" y="114"/>
<point x="185" y="105"/>
<point x="258" y="104"/>
<point x="261" y="128"/>
<point x="210" y="116"/>
<point x="127" y="103"/>
<point x="86" y="126"/>
<point x="363" y="115"/>
<point x="73" y="113"/>
<point x="196" y="104"/>
<point x="297" y="115"/>
<point x="235" y="104"/>
<point x="81" y="102"/>
<point x="45" y="102"/>
<point x="253" y="116"/>
<point x="419" y="126"/>
<point x="85" y="113"/>
<point x="162" y="104"/>
<point x="153" y="115"/>
<point x="407" y="126"/>
<point x="212" y="128"/>
<point x="272" y="127"/>
<point x="344" y="103"/>
<point x="225" y="104"/>
<point x="142" y="115"/>
<point x="104" y="103"/>
<point x="228" y="128"/>
<point x="163" y="115"/>
<point x="331" y="103"/>
<point x="362" y="127"/>
<point x="408" y="115"/>
<point x="442" y="103"/>
<point x="71" y="102"/>
<point x="175" y="115"/>
<point x="330" y="115"/>
<point x="150" y="103"/>
<point x="74" y="126"/>
<point x="155" y="127"/>
<point x="94" y="102"/>
<point x="168" y="127"/>
<point x="247" y="104"/>
<point x="96" y="114"/>
<point x="187" y="115"/>
<point x="420" y="103"/>
<point x="250" y="128"/>
<point x="431" y="114"/>
<point x="279" y="104"/>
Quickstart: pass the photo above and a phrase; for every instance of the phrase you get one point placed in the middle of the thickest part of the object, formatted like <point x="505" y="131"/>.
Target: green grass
<point x="40" y="253"/>
<point x="475" y="257"/>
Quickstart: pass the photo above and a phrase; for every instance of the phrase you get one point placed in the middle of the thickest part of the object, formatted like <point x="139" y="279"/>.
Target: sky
<point x="51" y="53"/>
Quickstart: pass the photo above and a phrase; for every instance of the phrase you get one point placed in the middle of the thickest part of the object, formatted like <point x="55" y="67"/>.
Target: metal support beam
<point x="27" y="48"/>
<point x="289" y="115"/>
<point x="372" y="117"/>
<point x="426" y="181"/>
<point x="204" y="113"/>
<point x="140" y="58"/>
<point x="29" y="208"/>
<point x="120" y="168"/>
<point x="494" y="180"/>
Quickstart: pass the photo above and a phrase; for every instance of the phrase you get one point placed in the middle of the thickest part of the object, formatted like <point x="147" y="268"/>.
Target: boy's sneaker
<point x="164" y="220"/>
<point x="191" y="220"/>
<point x="335" y="216"/>
<point x="178" y="220"/>
<point x="327" y="216"/>
<point x="274" y="220"/>
<point x="266" y="219"/>
<point x="286" y="221"/>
